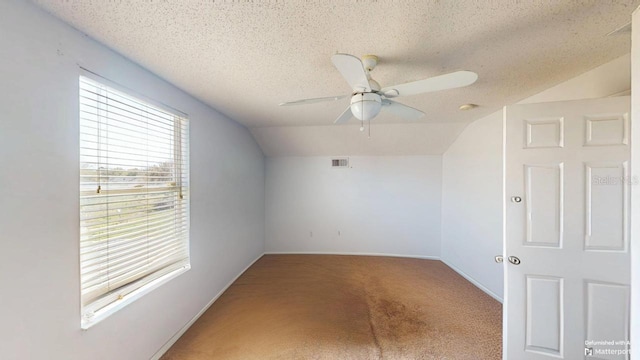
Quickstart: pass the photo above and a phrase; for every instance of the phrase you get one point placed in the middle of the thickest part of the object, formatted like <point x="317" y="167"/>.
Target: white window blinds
<point x="134" y="202"/>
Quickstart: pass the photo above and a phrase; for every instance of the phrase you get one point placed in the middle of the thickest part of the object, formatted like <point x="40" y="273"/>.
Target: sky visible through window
<point x="124" y="141"/>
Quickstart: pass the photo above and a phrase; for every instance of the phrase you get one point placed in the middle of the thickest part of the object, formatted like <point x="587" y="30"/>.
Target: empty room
<point x="284" y="179"/>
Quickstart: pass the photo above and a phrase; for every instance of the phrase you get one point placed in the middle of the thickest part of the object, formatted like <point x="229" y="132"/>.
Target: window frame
<point x="100" y="308"/>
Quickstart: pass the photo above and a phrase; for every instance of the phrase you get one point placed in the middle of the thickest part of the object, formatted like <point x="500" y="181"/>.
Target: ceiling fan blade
<point x="447" y="81"/>
<point x="352" y="70"/>
<point x="401" y="110"/>
<point x="313" y="101"/>
<point x="344" y="117"/>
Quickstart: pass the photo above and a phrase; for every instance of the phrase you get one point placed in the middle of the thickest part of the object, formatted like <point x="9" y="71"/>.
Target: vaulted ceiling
<point x="244" y="57"/>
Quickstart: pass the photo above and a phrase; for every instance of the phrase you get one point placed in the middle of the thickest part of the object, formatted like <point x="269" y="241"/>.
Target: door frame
<point x="634" y="240"/>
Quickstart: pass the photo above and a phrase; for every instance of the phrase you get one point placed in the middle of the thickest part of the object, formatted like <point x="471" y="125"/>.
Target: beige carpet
<point x="346" y="307"/>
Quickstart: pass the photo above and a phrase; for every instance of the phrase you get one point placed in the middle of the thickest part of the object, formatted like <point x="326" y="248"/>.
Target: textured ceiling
<point x="243" y="57"/>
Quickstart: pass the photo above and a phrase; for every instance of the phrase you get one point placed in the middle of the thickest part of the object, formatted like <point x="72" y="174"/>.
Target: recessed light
<point x="464" y="107"/>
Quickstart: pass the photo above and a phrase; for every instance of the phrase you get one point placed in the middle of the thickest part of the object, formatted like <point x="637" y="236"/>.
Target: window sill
<point x="112" y="308"/>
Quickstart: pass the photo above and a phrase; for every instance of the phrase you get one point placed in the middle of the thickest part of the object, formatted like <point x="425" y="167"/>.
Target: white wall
<point x="39" y="221"/>
<point x="396" y="139"/>
<point x="472" y="203"/>
<point x="381" y="205"/>
<point x="609" y="79"/>
<point x="472" y="178"/>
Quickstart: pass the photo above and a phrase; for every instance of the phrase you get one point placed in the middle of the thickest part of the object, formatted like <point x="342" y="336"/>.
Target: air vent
<point x="340" y="163"/>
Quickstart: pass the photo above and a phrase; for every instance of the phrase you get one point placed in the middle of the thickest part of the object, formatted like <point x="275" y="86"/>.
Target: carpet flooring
<point x="346" y="307"/>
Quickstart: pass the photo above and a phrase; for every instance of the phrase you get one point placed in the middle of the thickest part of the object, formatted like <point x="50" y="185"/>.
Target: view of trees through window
<point x="145" y="193"/>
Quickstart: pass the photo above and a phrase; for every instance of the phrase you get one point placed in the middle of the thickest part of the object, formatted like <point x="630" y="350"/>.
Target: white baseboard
<point x="473" y="281"/>
<point x="349" y="253"/>
<point x="184" y="329"/>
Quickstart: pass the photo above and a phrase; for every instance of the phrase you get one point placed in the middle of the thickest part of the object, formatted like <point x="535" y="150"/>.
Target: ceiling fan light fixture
<point x="367" y="96"/>
<point x="365" y="106"/>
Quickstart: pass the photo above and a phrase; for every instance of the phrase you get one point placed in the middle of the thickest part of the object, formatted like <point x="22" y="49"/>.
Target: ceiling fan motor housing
<point x="365" y="106"/>
<point x="367" y="94"/>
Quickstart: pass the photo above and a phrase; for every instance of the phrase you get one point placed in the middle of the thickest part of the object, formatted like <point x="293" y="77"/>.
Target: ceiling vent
<point x="340" y="163"/>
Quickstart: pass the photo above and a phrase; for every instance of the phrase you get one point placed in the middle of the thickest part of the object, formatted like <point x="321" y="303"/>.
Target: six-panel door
<point x="569" y="296"/>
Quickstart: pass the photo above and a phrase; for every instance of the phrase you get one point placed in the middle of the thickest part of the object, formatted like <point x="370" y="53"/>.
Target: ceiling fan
<point x="368" y="98"/>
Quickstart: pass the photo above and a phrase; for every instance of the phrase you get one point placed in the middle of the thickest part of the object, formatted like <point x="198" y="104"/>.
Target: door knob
<point x="516" y="199"/>
<point x="514" y="260"/>
<point x="499" y="259"/>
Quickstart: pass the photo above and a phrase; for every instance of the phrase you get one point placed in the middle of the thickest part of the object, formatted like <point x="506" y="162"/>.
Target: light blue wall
<point x="39" y="177"/>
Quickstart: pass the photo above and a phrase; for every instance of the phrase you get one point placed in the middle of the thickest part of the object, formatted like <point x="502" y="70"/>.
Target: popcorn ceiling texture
<point x="245" y="57"/>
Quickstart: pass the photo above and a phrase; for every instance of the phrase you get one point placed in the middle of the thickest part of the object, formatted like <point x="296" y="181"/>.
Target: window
<point x="134" y="198"/>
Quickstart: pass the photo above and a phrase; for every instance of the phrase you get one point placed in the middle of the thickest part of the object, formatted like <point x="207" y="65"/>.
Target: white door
<point x="566" y="217"/>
